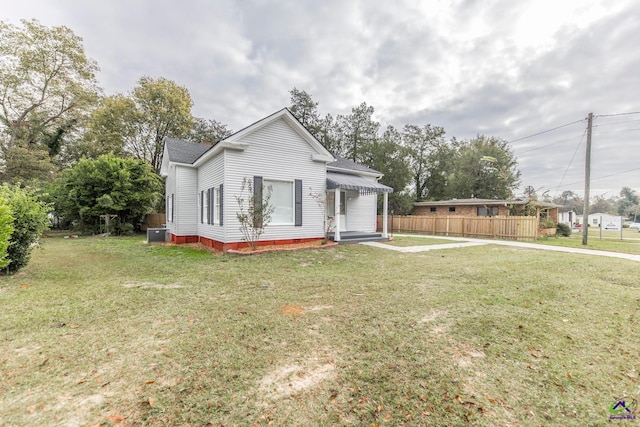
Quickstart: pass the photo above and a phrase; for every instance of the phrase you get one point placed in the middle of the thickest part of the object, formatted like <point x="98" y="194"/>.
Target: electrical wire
<point x="617" y="114"/>
<point x="548" y="130"/>
<point x="616" y="123"/>
<point x="570" y="162"/>
<point x="548" y="145"/>
<point x="603" y="177"/>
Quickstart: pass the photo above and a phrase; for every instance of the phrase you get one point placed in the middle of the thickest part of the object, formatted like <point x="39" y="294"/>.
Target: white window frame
<point x="206" y="219"/>
<point x="265" y="186"/>
<point x="216" y="206"/>
<point x="170" y="208"/>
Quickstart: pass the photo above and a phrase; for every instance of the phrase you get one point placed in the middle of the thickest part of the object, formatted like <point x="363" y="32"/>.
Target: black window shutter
<point x="257" y="199"/>
<point x="212" y="205"/>
<point x="298" y="185"/>
<point x="221" y="203"/>
<point x="208" y="206"/>
<point x="202" y="207"/>
<point x="173" y="208"/>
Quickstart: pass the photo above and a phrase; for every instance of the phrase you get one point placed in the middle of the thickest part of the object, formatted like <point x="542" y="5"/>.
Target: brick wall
<point x="460" y="211"/>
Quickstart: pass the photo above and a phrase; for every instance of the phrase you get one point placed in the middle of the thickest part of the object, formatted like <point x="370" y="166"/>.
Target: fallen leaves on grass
<point x="115" y="418"/>
<point x="292" y="310"/>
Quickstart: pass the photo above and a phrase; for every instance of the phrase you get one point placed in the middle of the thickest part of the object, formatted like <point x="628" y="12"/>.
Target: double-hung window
<point x="282" y="199"/>
<point x="216" y="206"/>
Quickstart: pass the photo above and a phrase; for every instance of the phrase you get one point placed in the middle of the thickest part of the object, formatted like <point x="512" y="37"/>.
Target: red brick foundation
<point x="236" y="245"/>
<point x="178" y="240"/>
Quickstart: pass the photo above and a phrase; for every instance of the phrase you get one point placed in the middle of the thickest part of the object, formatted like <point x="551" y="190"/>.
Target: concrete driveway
<point x="466" y="242"/>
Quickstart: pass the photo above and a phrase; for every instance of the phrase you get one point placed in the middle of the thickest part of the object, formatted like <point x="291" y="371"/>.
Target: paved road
<point x="466" y="242"/>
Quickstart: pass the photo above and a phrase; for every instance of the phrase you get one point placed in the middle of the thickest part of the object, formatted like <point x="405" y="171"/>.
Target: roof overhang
<point x="351" y="171"/>
<point x="354" y="182"/>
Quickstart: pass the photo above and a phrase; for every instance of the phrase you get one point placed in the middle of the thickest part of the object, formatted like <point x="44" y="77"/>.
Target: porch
<point x="357" y="237"/>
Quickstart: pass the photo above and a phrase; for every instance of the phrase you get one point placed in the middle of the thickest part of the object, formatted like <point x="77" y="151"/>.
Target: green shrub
<point x="30" y="219"/>
<point x="563" y="230"/>
<point x="108" y="185"/>
<point x="124" y="229"/>
<point x="6" y="230"/>
<point x="547" y="223"/>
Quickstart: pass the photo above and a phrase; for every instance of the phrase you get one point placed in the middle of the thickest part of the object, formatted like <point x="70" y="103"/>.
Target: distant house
<point x="277" y="153"/>
<point x="598" y="218"/>
<point x="567" y="215"/>
<point x="462" y="207"/>
<point x="483" y="208"/>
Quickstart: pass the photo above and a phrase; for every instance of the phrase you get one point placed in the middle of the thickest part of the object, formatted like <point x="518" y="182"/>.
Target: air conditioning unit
<point x="156" y="235"/>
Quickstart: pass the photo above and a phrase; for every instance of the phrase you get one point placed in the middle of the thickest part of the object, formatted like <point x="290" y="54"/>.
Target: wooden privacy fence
<point x="496" y="227"/>
<point x="154" y="220"/>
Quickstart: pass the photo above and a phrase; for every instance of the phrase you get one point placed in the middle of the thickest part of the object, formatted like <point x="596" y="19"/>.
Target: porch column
<point x="385" y="208"/>
<point x="336" y="216"/>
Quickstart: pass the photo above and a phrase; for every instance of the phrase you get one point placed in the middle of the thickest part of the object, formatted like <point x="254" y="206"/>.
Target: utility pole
<point x="587" y="183"/>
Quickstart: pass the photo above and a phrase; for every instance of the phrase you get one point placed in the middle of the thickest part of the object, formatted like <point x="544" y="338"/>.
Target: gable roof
<point x="322" y="154"/>
<point x="349" y="166"/>
<point x="181" y="151"/>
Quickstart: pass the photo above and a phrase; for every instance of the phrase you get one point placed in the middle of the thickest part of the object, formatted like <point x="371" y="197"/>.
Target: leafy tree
<point x="208" y="131"/>
<point x="602" y="204"/>
<point x="139" y="122"/>
<point x="628" y="203"/>
<point x="30" y="220"/>
<point x="128" y="188"/>
<point x="569" y="199"/>
<point x="428" y="158"/>
<point x="357" y="131"/>
<point x="6" y="230"/>
<point x="163" y="109"/>
<point x="484" y="168"/>
<point x="46" y="82"/>
<point x="387" y="155"/>
<point x="111" y="127"/>
<point x="329" y="137"/>
<point x="28" y="166"/>
<point x="306" y="110"/>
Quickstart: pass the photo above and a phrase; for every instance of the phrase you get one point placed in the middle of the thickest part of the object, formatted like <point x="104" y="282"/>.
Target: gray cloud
<point x="500" y="68"/>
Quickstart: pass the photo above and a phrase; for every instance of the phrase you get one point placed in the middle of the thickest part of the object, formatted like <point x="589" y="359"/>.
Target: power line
<point x="617" y="114"/>
<point x="602" y="177"/>
<point x="616" y="123"/>
<point x="570" y="162"/>
<point x="548" y="130"/>
<point x="548" y="145"/>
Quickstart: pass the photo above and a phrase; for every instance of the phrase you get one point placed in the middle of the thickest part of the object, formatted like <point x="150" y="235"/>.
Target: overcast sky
<point x="507" y="68"/>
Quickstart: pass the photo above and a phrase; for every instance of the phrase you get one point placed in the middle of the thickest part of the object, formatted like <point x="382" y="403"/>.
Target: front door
<point x="331" y="209"/>
<point x="343" y="211"/>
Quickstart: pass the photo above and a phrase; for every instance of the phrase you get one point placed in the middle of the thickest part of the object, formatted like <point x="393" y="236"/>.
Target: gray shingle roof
<point x="343" y="163"/>
<point x="181" y="151"/>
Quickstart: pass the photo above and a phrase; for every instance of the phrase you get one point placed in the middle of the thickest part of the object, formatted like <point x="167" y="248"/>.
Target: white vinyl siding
<point x="211" y="175"/>
<point x="185" y="201"/>
<point x="361" y="212"/>
<point x="276" y="152"/>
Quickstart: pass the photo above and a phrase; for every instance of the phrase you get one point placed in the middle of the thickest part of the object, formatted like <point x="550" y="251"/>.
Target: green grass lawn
<point x="106" y="331"/>
<point x="417" y="241"/>
<point x="610" y="241"/>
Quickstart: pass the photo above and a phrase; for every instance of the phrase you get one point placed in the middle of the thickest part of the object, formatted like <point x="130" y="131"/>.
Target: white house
<point x="278" y="153"/>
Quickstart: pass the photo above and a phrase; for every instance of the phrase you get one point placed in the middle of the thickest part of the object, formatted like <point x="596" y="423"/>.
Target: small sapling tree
<point x="254" y="211"/>
<point x="329" y="220"/>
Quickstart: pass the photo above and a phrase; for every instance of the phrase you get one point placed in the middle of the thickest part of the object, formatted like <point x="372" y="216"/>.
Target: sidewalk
<point x="466" y="242"/>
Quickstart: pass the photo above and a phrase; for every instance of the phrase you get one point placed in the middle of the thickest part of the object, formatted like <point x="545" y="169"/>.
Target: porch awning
<point x="354" y="182"/>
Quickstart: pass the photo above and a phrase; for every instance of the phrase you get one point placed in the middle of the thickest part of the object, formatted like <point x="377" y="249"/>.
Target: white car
<point x="635" y="225"/>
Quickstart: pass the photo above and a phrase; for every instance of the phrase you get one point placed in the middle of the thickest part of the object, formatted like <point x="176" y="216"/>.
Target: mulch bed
<point x="317" y="244"/>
